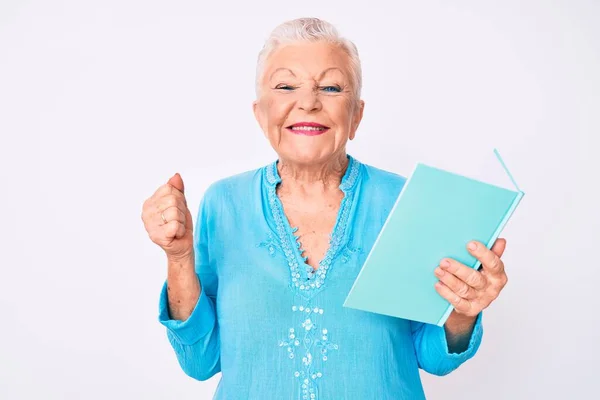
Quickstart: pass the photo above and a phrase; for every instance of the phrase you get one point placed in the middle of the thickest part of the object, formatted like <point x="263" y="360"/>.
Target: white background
<point x="102" y="101"/>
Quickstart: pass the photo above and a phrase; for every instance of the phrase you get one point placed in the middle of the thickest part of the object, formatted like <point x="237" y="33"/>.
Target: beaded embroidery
<point x="314" y="279"/>
<point x="309" y="338"/>
<point x="271" y="244"/>
<point x="309" y="335"/>
<point x="348" y="252"/>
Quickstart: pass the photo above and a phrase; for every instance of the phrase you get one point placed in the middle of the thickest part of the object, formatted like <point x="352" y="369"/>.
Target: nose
<point x="309" y="100"/>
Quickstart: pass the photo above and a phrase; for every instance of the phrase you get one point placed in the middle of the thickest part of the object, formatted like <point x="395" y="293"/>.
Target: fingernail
<point x="439" y="272"/>
<point x="472" y="246"/>
<point x="445" y="263"/>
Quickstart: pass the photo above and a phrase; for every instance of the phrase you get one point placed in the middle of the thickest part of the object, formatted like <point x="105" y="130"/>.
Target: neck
<point x="314" y="177"/>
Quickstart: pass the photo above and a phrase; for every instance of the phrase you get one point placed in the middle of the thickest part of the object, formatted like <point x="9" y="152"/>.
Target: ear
<point x="357" y="118"/>
<point x="258" y="114"/>
<point x="255" y="110"/>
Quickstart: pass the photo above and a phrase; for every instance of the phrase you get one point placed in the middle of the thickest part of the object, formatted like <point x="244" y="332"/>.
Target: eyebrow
<point x="281" y="69"/>
<point x="330" y="69"/>
<point x="294" y="75"/>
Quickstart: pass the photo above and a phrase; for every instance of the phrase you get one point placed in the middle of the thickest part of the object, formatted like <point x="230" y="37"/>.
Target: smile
<point x="307" y="128"/>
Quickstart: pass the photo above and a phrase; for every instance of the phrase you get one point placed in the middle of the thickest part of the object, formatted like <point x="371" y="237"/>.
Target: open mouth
<point x="307" y="128"/>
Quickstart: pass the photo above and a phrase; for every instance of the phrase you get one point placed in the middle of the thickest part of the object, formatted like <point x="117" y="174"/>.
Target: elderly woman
<point x="255" y="290"/>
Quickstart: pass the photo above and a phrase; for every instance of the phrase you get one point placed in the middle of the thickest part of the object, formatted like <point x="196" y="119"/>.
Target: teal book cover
<point x="436" y="214"/>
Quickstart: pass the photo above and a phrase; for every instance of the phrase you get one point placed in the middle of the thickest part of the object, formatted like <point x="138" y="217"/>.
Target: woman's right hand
<point x="175" y="236"/>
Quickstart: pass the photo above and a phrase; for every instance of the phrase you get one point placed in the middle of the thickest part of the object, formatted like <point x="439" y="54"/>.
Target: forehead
<point x="308" y="59"/>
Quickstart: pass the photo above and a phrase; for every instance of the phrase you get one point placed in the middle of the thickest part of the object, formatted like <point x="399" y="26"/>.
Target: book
<point x="436" y="215"/>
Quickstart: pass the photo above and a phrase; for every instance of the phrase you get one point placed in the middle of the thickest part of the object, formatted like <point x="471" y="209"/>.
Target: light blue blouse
<point x="274" y="327"/>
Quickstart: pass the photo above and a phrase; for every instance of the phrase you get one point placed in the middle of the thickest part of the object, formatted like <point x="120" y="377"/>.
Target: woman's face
<point x="307" y="107"/>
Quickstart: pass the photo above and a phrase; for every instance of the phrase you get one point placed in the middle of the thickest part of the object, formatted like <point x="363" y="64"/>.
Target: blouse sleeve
<point x="432" y="351"/>
<point x="196" y="340"/>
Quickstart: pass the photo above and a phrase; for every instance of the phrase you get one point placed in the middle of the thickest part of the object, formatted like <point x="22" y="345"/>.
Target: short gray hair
<point x="309" y="30"/>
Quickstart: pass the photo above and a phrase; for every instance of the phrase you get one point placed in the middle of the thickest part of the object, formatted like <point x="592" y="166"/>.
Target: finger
<point x="177" y="192"/>
<point x="490" y="262"/>
<point x="171" y="214"/>
<point x="177" y="182"/>
<point x="457" y="285"/>
<point x="180" y="231"/>
<point x="499" y="246"/>
<point x="174" y="230"/>
<point x="466" y="274"/>
<point x="189" y="223"/>
<point x="168" y="189"/>
<point x="170" y="200"/>
<point x="461" y="305"/>
<point x="162" y="190"/>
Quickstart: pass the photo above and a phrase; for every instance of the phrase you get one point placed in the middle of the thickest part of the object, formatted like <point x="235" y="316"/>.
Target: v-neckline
<point x="303" y="276"/>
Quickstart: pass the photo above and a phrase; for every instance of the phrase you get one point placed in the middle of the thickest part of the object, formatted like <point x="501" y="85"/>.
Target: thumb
<point x="177" y="182"/>
<point x="499" y="247"/>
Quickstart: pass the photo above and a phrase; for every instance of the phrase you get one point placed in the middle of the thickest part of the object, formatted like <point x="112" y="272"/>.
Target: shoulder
<point x="380" y="180"/>
<point x="233" y="187"/>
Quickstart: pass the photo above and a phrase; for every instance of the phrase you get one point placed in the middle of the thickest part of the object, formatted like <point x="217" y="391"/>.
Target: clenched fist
<point x="167" y="219"/>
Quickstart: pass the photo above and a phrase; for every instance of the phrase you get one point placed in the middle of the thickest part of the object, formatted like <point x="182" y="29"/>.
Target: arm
<point x="441" y="350"/>
<point x="187" y="307"/>
<point x="459" y="330"/>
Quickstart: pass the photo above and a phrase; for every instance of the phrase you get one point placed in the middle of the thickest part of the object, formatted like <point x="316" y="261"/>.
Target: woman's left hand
<point x="470" y="291"/>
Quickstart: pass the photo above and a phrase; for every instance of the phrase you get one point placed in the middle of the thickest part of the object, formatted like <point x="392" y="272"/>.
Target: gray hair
<point x="309" y="30"/>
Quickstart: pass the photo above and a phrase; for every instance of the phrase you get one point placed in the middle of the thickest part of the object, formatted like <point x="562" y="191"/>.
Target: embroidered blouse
<point x="273" y="326"/>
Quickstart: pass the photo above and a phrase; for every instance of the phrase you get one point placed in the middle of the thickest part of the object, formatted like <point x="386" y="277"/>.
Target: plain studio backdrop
<point x="102" y="101"/>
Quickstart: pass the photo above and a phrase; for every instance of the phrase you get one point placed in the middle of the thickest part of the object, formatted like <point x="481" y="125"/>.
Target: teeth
<point x="307" y="128"/>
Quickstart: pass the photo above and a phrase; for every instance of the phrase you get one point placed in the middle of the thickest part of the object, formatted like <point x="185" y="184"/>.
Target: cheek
<point x="341" y="113"/>
<point x="350" y="106"/>
<point x="277" y="111"/>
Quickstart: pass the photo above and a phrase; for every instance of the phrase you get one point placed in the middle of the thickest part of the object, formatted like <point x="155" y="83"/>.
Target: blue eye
<point x="332" y="89"/>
